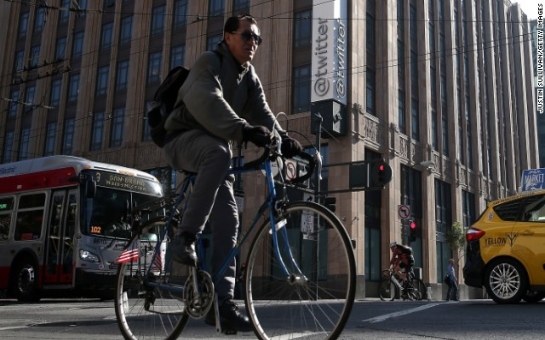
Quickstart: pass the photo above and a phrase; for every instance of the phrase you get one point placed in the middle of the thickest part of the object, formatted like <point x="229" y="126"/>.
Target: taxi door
<point x="527" y="238"/>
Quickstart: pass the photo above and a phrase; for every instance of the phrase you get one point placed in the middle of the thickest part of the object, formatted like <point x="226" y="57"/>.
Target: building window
<point x="301" y="89"/>
<point x="216" y="7"/>
<point x="82" y="7"/>
<point x="239" y="5"/>
<point x="411" y="195"/>
<point x="8" y="147"/>
<point x="102" y="80"/>
<point x="60" y="51"/>
<point x="107" y="34"/>
<point x="401" y="112"/>
<point x="372" y="211"/>
<point x="55" y="97"/>
<point x="23" y="25"/>
<point x="146" y="133"/>
<point x="443" y="220"/>
<point x="34" y="56"/>
<point x="158" y="19"/>
<point x="14" y="103"/>
<point x="23" y="144"/>
<point x="468" y="201"/>
<point x="73" y="88"/>
<point x="122" y="75"/>
<point x="30" y="95"/>
<point x="415" y="125"/>
<point x="434" y="131"/>
<point x="116" y="131"/>
<point x="154" y="67"/>
<point x="64" y="13"/>
<point x="19" y="61"/>
<point x="97" y="131"/>
<point x="39" y="20"/>
<point x="68" y="136"/>
<point x="177" y="56"/>
<point x="444" y="131"/>
<point x="126" y="30"/>
<point x="50" y="138"/>
<point x="180" y="14"/>
<point x="77" y="47"/>
<point x="302" y="32"/>
<point x="370" y="94"/>
<point x="213" y="41"/>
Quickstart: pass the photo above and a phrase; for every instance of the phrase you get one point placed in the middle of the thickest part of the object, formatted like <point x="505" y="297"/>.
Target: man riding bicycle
<point x="402" y="261"/>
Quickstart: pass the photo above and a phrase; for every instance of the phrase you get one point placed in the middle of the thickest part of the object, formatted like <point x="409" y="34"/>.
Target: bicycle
<point x="391" y="287"/>
<point x="287" y="293"/>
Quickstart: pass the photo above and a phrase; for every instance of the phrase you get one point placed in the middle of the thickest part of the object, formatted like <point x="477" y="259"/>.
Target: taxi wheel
<point x="506" y="281"/>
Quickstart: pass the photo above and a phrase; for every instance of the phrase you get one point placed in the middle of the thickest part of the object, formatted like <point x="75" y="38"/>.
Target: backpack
<point x="163" y="102"/>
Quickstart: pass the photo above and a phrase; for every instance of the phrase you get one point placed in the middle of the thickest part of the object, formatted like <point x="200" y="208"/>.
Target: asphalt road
<point x="370" y="319"/>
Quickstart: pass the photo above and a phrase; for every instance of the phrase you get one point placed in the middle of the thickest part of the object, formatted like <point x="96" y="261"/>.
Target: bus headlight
<point x="88" y="256"/>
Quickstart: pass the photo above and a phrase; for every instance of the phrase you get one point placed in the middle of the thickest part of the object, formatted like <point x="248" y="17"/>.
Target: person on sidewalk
<point x="452" y="292"/>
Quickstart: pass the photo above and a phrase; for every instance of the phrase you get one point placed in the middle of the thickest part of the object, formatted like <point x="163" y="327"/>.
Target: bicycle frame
<point x="269" y="204"/>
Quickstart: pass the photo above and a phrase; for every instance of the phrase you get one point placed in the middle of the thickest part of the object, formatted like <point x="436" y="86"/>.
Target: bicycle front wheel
<point x="313" y="300"/>
<point x="387" y="290"/>
<point x="148" y="301"/>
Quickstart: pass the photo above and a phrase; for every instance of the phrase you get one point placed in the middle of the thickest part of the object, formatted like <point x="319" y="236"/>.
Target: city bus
<point x="64" y="221"/>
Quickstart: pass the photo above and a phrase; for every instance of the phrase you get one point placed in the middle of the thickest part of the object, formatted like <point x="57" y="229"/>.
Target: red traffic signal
<point x="412" y="230"/>
<point x="381" y="174"/>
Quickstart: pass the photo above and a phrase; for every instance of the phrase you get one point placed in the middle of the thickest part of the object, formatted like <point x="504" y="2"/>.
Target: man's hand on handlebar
<point x="290" y="147"/>
<point x="259" y="135"/>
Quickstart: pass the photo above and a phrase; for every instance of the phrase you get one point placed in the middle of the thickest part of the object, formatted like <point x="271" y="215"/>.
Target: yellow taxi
<point x="506" y="249"/>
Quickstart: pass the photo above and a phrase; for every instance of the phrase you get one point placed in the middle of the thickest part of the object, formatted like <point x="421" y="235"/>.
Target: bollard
<point x="428" y="293"/>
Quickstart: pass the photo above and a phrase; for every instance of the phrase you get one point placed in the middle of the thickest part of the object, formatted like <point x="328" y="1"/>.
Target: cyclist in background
<point x="402" y="260"/>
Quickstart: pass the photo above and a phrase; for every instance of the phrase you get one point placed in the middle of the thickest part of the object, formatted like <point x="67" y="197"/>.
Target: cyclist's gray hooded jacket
<point x="221" y="97"/>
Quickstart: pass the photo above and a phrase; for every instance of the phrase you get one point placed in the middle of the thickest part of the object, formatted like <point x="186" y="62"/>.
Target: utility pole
<point x="319" y="120"/>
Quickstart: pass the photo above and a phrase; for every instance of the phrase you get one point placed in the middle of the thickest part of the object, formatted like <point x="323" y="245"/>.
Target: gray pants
<point x="212" y="198"/>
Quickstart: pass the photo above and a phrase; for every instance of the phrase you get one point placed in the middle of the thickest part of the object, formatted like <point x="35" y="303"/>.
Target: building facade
<point x="440" y="89"/>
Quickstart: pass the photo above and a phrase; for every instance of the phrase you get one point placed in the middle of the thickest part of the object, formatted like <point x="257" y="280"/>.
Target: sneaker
<point x="183" y="249"/>
<point x="231" y="318"/>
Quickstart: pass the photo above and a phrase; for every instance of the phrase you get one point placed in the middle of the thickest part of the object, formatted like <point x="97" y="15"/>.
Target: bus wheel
<point x="25" y="281"/>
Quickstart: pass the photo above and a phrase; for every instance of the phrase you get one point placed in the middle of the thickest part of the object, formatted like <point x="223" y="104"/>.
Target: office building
<point x="441" y="90"/>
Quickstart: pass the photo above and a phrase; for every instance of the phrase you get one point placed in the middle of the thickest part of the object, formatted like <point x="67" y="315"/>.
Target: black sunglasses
<point x="247" y="35"/>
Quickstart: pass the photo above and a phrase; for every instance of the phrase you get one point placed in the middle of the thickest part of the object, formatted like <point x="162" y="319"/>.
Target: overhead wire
<point x="280" y="84"/>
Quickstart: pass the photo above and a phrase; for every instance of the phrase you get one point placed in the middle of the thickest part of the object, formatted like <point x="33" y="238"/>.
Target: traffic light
<point x="412" y="230"/>
<point x="381" y="173"/>
<point x="329" y="202"/>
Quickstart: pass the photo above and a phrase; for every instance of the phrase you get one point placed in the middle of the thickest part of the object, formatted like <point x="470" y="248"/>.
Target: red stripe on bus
<point x="38" y="180"/>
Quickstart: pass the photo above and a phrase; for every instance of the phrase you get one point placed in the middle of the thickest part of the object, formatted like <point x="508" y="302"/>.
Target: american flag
<point x="130" y="254"/>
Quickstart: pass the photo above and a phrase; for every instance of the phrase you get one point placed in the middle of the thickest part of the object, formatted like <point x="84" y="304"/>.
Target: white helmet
<point x="393" y="244"/>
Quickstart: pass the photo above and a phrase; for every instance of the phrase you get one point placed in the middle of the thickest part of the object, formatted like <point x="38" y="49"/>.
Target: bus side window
<point x="30" y="215"/>
<point x="5" y="222"/>
<point x="6" y="211"/>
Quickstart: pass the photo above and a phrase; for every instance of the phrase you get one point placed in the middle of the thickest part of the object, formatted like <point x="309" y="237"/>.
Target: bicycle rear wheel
<point x="148" y="304"/>
<point x="315" y="305"/>
<point x="387" y="290"/>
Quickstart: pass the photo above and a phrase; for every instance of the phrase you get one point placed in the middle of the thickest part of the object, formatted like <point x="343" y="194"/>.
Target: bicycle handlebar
<point x="271" y="152"/>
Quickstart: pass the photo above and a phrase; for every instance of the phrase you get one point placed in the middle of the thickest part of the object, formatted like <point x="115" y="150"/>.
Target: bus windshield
<point x="107" y="213"/>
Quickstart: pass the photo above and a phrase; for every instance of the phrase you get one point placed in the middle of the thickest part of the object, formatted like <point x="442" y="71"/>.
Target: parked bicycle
<point x="392" y="286"/>
<point x="299" y="278"/>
